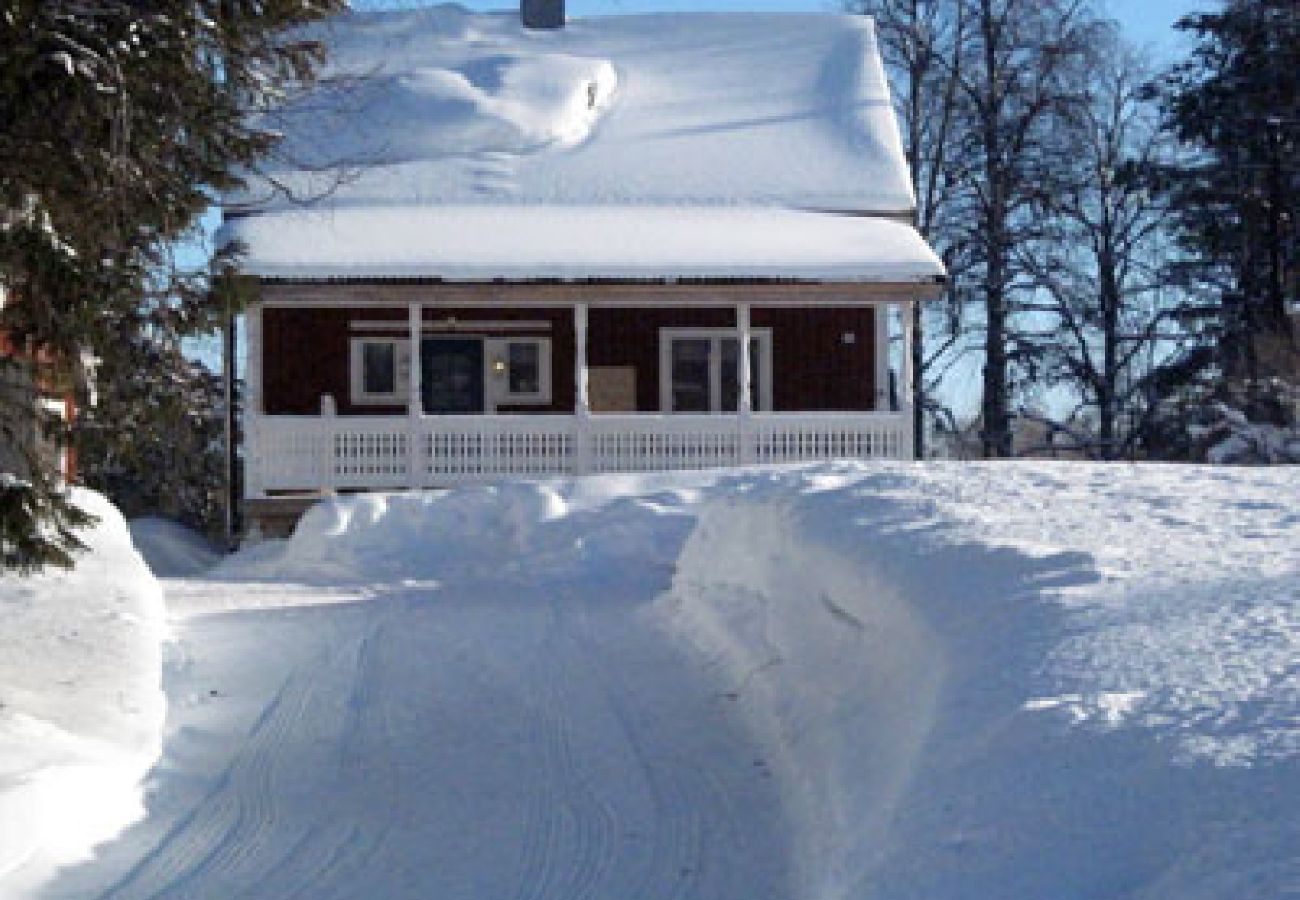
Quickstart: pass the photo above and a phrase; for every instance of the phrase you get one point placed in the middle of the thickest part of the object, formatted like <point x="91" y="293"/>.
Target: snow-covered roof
<point x="442" y="105"/>
<point x="445" y="143"/>
<point x="478" y="243"/>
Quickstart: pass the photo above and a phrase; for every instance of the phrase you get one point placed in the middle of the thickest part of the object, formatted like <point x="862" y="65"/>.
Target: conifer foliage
<point x="120" y="121"/>
<point x="1236" y="105"/>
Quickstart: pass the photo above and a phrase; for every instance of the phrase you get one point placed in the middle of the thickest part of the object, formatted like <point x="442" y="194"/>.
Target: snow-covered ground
<point x="846" y="681"/>
<point x="81" y="709"/>
<point x="171" y="550"/>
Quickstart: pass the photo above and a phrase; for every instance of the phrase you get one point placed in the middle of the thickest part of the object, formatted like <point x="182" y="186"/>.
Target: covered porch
<point x="430" y="444"/>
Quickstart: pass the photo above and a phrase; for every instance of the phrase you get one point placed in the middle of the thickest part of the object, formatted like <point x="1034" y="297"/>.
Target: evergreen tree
<point x="121" y="120"/>
<point x="171" y="460"/>
<point x="1236" y="105"/>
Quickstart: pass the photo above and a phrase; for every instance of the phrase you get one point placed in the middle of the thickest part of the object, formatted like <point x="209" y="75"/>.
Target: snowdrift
<point x="81" y="706"/>
<point x="970" y="681"/>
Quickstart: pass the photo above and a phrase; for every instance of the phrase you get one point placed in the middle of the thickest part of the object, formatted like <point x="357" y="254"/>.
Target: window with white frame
<point x="379" y="368"/>
<point x="698" y="369"/>
<point x="521" y="370"/>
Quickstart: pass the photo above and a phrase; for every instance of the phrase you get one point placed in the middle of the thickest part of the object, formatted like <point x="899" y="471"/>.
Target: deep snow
<point x="891" y="681"/>
<point x="81" y="708"/>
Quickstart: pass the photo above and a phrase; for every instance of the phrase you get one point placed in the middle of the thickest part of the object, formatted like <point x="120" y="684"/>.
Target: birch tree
<point x="1021" y="78"/>
<point x="1109" y="328"/>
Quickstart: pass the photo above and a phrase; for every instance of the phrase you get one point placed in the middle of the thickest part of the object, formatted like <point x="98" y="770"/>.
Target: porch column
<point x="253" y="400"/>
<point x="745" y="388"/>
<point x="581" y="395"/>
<point x="882" y="357"/>
<point x="414" y="407"/>
<point x="745" y="402"/>
<point x="905" y="399"/>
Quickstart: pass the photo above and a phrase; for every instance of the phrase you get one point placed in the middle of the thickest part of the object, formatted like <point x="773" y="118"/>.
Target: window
<point x="697" y="369"/>
<point x="380" y="368"/>
<point x="521" y="370"/>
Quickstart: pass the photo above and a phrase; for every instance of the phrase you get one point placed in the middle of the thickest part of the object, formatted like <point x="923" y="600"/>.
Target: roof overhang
<point x="589" y="244"/>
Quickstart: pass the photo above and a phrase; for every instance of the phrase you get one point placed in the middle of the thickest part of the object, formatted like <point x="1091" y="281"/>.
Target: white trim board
<point x="455" y="325"/>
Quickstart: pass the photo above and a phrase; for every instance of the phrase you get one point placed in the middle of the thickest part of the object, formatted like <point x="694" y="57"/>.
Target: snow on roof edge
<point x="577" y="244"/>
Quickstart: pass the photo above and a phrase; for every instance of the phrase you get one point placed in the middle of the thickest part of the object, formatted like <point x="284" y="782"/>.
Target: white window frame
<point x="762" y="390"/>
<point x="401" y="362"/>
<point x="497" y="350"/>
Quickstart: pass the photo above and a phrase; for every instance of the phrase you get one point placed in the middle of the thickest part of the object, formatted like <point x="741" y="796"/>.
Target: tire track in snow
<point x="575" y="828"/>
<point x="697" y="830"/>
<point x="459" y="750"/>
<point x="222" y="828"/>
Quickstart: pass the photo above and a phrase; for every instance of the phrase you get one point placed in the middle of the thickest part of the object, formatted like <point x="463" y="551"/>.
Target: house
<point x="537" y="246"/>
<point x="33" y="384"/>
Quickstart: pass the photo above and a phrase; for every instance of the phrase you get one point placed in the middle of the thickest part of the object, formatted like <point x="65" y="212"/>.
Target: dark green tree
<point x="1235" y="105"/>
<point x="121" y="121"/>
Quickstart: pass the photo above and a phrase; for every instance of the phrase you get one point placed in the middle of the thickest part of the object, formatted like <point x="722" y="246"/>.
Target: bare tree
<point x="1023" y="54"/>
<point x="1107" y="323"/>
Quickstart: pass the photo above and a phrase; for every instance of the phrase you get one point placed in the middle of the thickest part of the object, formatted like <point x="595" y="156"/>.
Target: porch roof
<point x="582" y="243"/>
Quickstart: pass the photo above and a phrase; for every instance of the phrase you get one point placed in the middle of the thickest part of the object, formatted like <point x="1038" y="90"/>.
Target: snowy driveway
<point x="438" y="744"/>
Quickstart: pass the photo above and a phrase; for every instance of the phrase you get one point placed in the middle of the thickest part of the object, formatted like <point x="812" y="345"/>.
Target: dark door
<point x="452" y="375"/>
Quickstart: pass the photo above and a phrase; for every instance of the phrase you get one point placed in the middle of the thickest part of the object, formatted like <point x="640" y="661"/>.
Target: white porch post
<point x="745" y="403"/>
<point x="414" y="407"/>
<point x="905" y="398"/>
<point x="253" y="486"/>
<point x="744" y="384"/>
<point x="882" y="357"/>
<point x="581" y="395"/>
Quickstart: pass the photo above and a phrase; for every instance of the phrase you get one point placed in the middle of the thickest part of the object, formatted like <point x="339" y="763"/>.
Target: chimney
<point x="542" y="13"/>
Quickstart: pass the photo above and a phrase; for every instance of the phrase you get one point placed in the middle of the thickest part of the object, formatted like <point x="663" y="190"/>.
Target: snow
<point x="81" y="707"/>
<point x="443" y="106"/>
<point x="171" y="550"/>
<point x="886" y="680"/>
<point x="466" y="243"/>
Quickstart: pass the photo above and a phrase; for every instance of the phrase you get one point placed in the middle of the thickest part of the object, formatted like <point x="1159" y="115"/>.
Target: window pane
<point x="379" y="368"/>
<point x="525" y="368"/>
<point x="727" y="374"/>
<point x="690" y="374"/>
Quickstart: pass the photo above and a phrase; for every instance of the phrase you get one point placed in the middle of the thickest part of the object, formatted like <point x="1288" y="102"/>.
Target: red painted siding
<point x="813" y="368"/>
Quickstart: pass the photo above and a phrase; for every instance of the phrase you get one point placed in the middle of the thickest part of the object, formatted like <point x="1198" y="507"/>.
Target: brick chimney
<point x="542" y="13"/>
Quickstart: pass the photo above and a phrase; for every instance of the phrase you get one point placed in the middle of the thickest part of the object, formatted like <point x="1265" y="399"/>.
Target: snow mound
<point x="81" y="707"/>
<point x="507" y="102"/>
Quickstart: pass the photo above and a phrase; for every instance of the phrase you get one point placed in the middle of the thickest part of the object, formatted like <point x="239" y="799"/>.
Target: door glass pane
<point x="452" y="372"/>
<point x="727" y="373"/>
<point x="690" y="374"/>
<point x="379" y="368"/>
<point x="525" y="368"/>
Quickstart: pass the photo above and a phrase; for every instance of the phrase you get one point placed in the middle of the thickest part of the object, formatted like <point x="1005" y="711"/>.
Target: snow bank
<point x="970" y="681"/>
<point x="81" y="707"/>
<point x="170" y="549"/>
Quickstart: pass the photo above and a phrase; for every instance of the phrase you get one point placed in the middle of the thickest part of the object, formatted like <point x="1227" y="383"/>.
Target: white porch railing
<point x="308" y="454"/>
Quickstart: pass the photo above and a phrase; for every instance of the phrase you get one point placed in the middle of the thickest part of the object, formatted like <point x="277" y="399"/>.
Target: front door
<point x="452" y="375"/>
